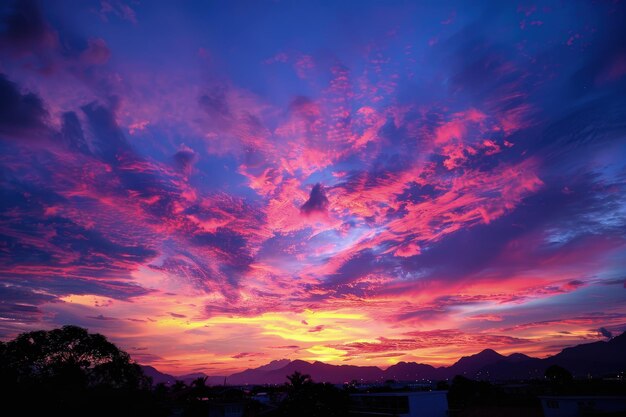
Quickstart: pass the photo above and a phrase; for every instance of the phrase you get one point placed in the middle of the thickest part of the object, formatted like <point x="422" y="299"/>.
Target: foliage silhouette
<point x="559" y="375"/>
<point x="297" y="381"/>
<point x="70" y="355"/>
<point x="306" y="398"/>
<point x="72" y="372"/>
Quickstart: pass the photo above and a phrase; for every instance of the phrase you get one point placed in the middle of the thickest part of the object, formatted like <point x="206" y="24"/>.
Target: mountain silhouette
<point x="210" y="380"/>
<point x="319" y="372"/>
<point x="517" y="357"/>
<point x="515" y="366"/>
<point x="157" y="376"/>
<point x="273" y="365"/>
<point x="470" y="365"/>
<point x="595" y="359"/>
<point x="409" y="371"/>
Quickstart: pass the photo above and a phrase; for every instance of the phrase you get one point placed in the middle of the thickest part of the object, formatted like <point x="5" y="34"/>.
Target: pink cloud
<point x="97" y="52"/>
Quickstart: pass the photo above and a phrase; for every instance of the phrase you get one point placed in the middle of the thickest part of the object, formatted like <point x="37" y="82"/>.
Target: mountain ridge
<point x="595" y="358"/>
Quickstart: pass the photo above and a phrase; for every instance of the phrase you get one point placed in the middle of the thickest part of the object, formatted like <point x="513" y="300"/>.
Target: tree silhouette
<point x="308" y="399"/>
<point x="71" y="372"/>
<point x="465" y="392"/>
<point x="559" y="377"/>
<point x="199" y="382"/>
<point x="298" y="380"/>
<point x="179" y="386"/>
<point x="70" y="355"/>
<point x="199" y="388"/>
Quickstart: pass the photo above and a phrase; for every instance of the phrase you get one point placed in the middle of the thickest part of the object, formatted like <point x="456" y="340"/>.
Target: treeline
<point x="71" y="372"/>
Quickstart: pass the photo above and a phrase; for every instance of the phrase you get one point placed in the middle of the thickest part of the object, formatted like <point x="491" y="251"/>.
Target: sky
<point x="217" y="184"/>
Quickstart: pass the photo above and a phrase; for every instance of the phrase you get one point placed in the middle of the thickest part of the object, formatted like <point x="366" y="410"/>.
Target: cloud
<point x="110" y="141"/>
<point x="304" y="65"/>
<point x="416" y="340"/>
<point x="31" y="41"/>
<point x="21" y="313"/>
<point x="97" y="52"/>
<point x="72" y="133"/>
<point x="586" y="320"/>
<point x="26" y="29"/>
<point x="285" y="347"/>
<point x="486" y="317"/>
<point x="215" y="104"/>
<point x="102" y="317"/>
<point x="453" y="194"/>
<point x="185" y="158"/>
<point x="316" y="329"/>
<point x="247" y="355"/>
<point x="22" y="115"/>
<point x="20" y="304"/>
<point x="606" y="333"/>
<point x="317" y="202"/>
<point x="117" y="8"/>
<point x="239" y="309"/>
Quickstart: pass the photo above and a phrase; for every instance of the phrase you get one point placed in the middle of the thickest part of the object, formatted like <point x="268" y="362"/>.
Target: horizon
<point x="218" y="185"/>
<point x="384" y="367"/>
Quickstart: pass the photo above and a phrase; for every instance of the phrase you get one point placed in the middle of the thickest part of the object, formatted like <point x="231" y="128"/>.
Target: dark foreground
<point x="70" y="372"/>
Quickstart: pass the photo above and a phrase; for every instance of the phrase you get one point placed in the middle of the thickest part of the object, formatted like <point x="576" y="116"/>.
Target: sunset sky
<point x="217" y="184"/>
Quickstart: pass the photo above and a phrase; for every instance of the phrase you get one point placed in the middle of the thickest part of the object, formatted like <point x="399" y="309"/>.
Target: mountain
<point x="210" y="380"/>
<point x="259" y="374"/>
<point x="157" y="376"/>
<point x="216" y="380"/>
<point x="593" y="358"/>
<point x="516" y="367"/>
<point x="596" y="358"/>
<point x="274" y="365"/>
<point x="190" y="377"/>
<point x="471" y="365"/>
<point x="409" y="371"/>
<point x="319" y="372"/>
<point x="517" y="357"/>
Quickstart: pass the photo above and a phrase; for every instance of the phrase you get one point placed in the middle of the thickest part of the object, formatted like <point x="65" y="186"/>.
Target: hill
<point x="595" y="359"/>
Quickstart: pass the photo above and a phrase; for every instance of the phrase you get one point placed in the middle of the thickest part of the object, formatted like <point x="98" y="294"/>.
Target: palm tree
<point x="179" y="386"/>
<point x="199" y="388"/>
<point x="298" y="380"/>
<point x="199" y="382"/>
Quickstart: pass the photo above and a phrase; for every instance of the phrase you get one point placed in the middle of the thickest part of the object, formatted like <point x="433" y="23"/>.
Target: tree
<point x="199" y="388"/>
<point x="199" y="382"/>
<point x="308" y="399"/>
<point x="179" y="386"/>
<point x="70" y="355"/>
<point x="559" y="375"/>
<point x="298" y="380"/>
<point x="465" y="392"/>
<point x="71" y="372"/>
